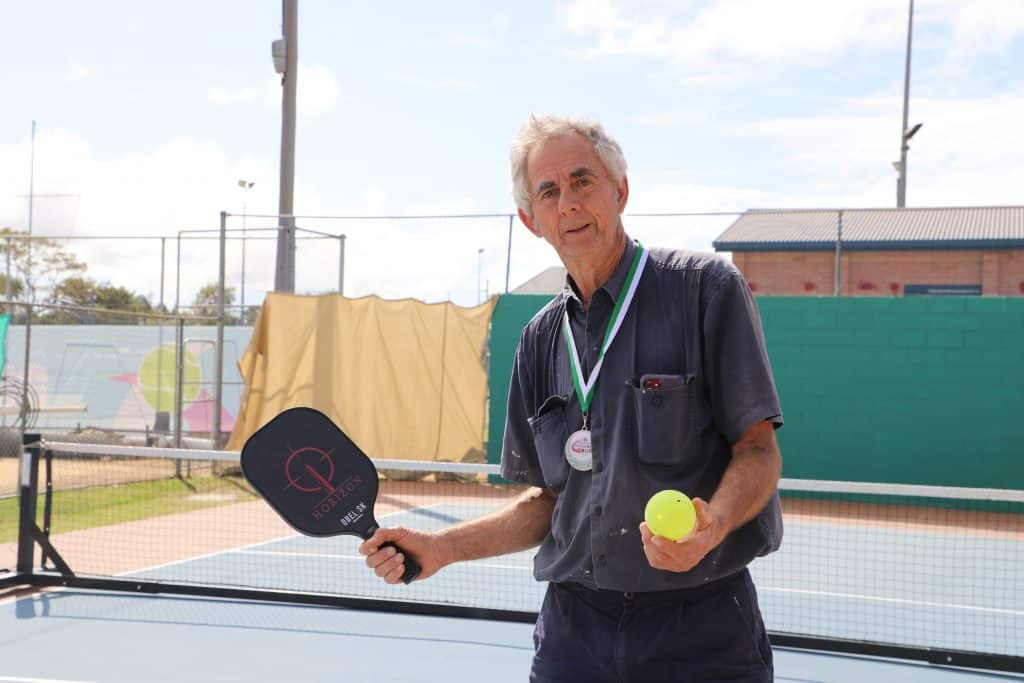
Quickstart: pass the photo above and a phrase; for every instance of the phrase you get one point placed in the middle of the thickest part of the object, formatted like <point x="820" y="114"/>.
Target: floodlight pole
<point x="284" y="277"/>
<point x="901" y="180"/>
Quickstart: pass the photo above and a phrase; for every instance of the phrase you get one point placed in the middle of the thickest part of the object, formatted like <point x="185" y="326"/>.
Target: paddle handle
<point x="412" y="567"/>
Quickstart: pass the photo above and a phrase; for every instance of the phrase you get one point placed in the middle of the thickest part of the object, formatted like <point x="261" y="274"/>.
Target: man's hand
<point x="747" y="485"/>
<point x="684" y="554"/>
<point x="428" y="549"/>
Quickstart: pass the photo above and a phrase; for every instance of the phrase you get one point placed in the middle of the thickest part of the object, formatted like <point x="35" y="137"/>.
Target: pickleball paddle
<point x="315" y="477"/>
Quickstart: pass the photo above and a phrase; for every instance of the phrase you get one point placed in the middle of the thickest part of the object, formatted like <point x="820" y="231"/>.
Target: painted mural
<point x="122" y="377"/>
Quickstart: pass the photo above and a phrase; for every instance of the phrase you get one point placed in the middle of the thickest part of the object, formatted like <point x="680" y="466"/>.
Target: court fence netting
<point x="913" y="572"/>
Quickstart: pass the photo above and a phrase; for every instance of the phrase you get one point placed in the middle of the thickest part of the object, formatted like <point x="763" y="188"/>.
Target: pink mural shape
<point x="199" y="414"/>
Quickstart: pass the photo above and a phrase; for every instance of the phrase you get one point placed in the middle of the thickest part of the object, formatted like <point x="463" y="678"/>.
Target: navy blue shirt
<point x="694" y="323"/>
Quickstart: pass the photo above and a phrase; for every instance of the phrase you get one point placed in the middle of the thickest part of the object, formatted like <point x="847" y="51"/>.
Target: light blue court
<point x="947" y="590"/>
<point x="94" y="636"/>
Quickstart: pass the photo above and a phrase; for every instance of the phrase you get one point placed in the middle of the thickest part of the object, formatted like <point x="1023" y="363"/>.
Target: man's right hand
<point x="427" y="548"/>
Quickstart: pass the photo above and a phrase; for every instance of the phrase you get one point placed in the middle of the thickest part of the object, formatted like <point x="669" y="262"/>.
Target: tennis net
<point x="920" y="567"/>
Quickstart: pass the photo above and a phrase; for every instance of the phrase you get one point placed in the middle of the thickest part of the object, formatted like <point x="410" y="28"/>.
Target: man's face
<point x="576" y="204"/>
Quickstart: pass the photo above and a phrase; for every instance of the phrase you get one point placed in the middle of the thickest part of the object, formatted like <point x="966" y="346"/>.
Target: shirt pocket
<point x="550" y="432"/>
<point x="666" y="428"/>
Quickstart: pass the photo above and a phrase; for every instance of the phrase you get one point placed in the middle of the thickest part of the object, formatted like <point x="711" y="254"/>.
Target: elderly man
<point x="647" y="372"/>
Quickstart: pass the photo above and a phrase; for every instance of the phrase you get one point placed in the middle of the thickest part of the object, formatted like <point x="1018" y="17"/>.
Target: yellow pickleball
<point x="671" y="514"/>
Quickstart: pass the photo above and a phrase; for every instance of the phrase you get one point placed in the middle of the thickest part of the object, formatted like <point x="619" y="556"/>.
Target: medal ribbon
<point x="585" y="387"/>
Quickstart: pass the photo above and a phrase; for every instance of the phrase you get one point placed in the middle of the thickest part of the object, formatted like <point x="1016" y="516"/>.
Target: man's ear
<point x="623" y="191"/>
<point x="528" y="222"/>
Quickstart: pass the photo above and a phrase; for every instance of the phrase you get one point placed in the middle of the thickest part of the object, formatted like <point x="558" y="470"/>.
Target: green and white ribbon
<point x="585" y="387"/>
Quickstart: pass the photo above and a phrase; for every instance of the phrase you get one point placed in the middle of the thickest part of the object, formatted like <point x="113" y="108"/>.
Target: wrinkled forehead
<point x="560" y="158"/>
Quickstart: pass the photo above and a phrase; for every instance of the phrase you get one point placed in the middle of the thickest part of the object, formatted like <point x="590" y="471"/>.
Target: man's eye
<point x="547" y="194"/>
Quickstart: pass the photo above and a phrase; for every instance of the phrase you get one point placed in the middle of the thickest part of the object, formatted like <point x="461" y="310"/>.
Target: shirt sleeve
<point x="736" y="359"/>
<point x="519" y="461"/>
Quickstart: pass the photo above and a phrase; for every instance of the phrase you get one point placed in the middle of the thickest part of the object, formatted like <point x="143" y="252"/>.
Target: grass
<point x="95" y="506"/>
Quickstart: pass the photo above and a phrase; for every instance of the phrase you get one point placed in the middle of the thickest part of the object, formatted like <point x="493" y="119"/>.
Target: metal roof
<point x="982" y="227"/>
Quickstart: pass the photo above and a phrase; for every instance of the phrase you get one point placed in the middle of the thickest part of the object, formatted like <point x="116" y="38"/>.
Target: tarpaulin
<point x="404" y="379"/>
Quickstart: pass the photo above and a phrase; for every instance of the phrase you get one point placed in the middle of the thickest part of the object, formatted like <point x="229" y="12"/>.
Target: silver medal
<point x="578" y="450"/>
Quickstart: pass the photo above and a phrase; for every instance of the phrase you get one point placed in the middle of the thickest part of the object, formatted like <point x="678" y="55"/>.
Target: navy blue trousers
<point x="712" y="632"/>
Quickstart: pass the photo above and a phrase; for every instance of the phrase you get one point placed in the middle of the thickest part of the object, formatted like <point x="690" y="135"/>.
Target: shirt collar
<point x="613" y="285"/>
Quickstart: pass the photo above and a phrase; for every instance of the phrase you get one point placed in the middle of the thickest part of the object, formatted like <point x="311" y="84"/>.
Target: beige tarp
<point x="403" y="379"/>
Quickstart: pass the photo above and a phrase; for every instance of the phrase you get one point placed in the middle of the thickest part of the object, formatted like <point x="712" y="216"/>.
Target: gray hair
<point x="542" y="128"/>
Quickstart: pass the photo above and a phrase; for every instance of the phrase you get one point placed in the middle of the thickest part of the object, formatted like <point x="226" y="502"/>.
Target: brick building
<point x="881" y="252"/>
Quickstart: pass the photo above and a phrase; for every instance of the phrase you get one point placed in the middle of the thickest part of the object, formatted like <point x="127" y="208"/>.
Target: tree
<point x="205" y="303"/>
<point x="50" y="263"/>
<point x="87" y="293"/>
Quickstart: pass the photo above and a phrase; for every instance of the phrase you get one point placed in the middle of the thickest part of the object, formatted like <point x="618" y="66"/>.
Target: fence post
<point x="179" y="381"/>
<point x="218" y="371"/>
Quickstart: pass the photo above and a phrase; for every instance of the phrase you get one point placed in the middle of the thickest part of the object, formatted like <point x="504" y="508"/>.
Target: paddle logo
<point x="311" y="470"/>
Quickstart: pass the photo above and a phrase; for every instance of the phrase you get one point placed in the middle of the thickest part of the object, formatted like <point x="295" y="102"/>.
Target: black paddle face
<point x="312" y="474"/>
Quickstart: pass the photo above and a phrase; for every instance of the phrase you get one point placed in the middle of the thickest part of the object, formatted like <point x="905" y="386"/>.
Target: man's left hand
<point x="684" y="554"/>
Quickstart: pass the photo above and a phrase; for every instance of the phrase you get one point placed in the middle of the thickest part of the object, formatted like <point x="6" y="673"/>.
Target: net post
<point x="28" y="484"/>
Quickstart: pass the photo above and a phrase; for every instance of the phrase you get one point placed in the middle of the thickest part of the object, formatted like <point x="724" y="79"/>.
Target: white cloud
<point x="219" y="96"/>
<point x="78" y="72"/>
<point x="317" y="92"/>
<point x="986" y="26"/>
<point x="969" y="152"/>
<point x="183" y="184"/>
<point x="752" y="33"/>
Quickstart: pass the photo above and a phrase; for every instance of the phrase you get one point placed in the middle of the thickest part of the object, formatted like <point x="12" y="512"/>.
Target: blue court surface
<point x="68" y="635"/>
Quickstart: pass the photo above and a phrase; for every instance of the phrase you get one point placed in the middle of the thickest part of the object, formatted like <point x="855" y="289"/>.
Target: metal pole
<point x="479" y="258"/>
<point x="177" y="277"/>
<point x="508" y="257"/>
<point x="24" y="373"/>
<point x="218" y="387"/>
<point x="246" y="185"/>
<point x="163" y="257"/>
<point x="284" y="278"/>
<point x="901" y="180"/>
<point x="7" y="285"/>
<point x="839" y="249"/>
<point x="341" y="264"/>
<point x="242" y="300"/>
<point x="31" y="187"/>
<point x="160" y="335"/>
<point x="179" y="382"/>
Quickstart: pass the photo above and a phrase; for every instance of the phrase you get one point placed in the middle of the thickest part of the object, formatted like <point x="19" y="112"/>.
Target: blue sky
<point x="149" y="113"/>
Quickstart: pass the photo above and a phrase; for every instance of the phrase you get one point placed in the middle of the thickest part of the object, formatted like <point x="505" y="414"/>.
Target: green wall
<point x="922" y="390"/>
<point x="511" y="314"/>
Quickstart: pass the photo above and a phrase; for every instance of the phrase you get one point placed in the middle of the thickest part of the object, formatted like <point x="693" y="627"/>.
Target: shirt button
<point x="601" y="560"/>
<point x="599" y="467"/>
<point x="656" y="400"/>
<point x="597" y="510"/>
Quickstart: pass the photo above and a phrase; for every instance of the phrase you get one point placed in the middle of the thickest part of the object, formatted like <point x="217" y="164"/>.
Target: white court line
<point x="15" y="679"/>
<point x="335" y="556"/>
<point x="245" y="548"/>
<point x="213" y="554"/>
<point x="898" y="601"/>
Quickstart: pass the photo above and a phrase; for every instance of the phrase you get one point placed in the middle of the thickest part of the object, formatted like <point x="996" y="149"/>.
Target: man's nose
<point x="567" y="203"/>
